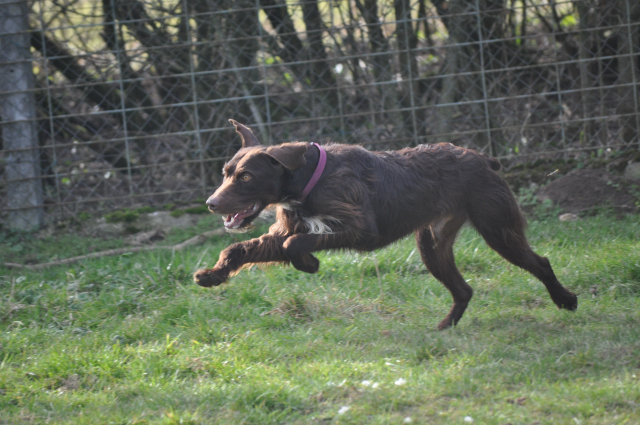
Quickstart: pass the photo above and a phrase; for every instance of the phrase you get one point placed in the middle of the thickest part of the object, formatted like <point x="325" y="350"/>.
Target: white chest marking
<point x="318" y="225"/>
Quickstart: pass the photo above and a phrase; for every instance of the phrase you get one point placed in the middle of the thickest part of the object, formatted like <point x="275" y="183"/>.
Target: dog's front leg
<point x="265" y="249"/>
<point x="298" y="248"/>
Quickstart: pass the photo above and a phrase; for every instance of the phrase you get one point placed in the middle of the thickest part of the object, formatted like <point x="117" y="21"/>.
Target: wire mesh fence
<point x="115" y="103"/>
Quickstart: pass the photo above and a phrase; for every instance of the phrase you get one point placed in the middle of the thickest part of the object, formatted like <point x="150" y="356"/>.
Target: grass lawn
<point x="131" y="340"/>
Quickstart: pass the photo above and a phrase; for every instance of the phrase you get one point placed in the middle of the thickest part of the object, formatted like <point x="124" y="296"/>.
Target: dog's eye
<point x="245" y="177"/>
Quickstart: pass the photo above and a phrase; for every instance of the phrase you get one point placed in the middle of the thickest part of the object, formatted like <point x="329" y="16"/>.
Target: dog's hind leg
<point x="502" y="226"/>
<point x="436" y="248"/>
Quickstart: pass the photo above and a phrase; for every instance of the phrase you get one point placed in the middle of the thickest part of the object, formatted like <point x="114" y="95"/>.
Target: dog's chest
<point x="294" y="220"/>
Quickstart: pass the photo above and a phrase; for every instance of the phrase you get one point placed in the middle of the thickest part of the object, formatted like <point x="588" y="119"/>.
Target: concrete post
<point x="18" y="113"/>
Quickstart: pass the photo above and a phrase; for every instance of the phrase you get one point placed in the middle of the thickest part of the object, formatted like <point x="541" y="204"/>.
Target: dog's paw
<point x="209" y="277"/>
<point x="446" y="323"/>
<point x="307" y="263"/>
<point x="569" y="303"/>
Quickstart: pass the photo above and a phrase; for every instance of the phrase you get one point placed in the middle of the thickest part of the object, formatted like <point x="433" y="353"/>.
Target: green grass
<point x="131" y="340"/>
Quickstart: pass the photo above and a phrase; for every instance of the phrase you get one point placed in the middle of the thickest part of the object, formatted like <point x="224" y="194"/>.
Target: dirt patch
<point x="589" y="190"/>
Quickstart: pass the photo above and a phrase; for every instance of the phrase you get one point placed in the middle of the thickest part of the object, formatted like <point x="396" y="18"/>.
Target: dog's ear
<point x="248" y="138"/>
<point x="290" y="155"/>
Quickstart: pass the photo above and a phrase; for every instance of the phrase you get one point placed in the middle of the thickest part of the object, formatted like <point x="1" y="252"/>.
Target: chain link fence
<point x="120" y="104"/>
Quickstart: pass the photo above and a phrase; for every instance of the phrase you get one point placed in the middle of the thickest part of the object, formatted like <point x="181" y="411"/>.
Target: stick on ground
<point x="196" y="240"/>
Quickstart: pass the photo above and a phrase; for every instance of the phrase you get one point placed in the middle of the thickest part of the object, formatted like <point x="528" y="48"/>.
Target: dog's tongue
<point x="233" y="221"/>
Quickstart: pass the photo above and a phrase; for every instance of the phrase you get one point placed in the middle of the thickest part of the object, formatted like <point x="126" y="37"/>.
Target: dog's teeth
<point x="234" y="221"/>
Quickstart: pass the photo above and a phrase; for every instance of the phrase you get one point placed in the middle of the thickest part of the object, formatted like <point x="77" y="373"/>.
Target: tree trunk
<point x="381" y="60"/>
<point x="588" y="95"/>
<point x="407" y="42"/>
<point x="135" y="97"/>
<point x="446" y="109"/>
<point x="292" y="47"/>
<point x="320" y="72"/>
<point x="469" y="30"/>
<point x="206" y="55"/>
<point x="99" y="93"/>
<point x="243" y="29"/>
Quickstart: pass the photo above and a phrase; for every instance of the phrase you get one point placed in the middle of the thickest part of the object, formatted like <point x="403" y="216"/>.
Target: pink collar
<point x="316" y="174"/>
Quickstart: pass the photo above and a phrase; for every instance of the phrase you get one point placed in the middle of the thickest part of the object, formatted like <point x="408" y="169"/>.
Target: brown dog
<point x="366" y="200"/>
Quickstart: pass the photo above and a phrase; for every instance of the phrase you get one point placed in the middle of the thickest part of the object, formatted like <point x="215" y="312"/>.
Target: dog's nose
<point x="212" y="203"/>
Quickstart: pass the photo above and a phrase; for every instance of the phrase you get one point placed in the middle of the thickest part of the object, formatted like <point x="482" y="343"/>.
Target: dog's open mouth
<point x="236" y="221"/>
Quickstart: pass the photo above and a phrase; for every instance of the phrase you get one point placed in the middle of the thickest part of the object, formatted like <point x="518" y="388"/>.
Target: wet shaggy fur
<point x="367" y="200"/>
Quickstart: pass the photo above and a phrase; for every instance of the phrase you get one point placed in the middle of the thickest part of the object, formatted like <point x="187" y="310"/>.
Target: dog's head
<point x="253" y="179"/>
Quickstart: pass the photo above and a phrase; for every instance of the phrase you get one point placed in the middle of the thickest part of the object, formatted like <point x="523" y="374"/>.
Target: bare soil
<point x="590" y="190"/>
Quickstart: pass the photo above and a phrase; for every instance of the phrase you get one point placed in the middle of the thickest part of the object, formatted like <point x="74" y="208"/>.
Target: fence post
<point x="18" y="113"/>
